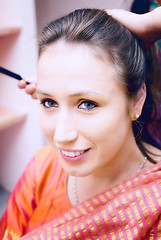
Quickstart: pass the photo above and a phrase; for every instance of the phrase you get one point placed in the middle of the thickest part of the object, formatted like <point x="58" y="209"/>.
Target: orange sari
<point x="39" y="196"/>
<point x="131" y="210"/>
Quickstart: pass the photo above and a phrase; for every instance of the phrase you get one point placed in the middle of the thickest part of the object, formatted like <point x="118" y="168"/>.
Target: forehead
<point x="76" y="65"/>
<point x="78" y="53"/>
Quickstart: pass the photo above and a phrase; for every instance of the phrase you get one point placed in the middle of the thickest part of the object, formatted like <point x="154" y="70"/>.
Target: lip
<point x="73" y="155"/>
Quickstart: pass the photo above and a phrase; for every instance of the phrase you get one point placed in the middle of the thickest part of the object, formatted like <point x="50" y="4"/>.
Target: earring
<point x="136" y="116"/>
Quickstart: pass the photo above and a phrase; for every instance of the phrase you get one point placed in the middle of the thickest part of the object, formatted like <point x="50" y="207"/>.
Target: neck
<point x="118" y="170"/>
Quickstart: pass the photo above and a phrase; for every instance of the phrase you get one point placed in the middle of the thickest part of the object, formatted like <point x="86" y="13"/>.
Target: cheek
<point x="112" y="126"/>
<point x="47" y="125"/>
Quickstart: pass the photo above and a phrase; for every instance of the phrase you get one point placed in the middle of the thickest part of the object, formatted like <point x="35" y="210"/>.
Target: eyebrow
<point x="78" y="94"/>
<point x="43" y="93"/>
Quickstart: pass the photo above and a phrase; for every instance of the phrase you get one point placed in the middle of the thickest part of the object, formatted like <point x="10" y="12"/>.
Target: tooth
<point x="77" y="153"/>
<point x="72" y="154"/>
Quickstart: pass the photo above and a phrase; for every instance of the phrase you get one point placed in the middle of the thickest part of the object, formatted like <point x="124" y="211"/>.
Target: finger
<point x="34" y="96"/>
<point x="21" y="84"/>
<point x="31" y="88"/>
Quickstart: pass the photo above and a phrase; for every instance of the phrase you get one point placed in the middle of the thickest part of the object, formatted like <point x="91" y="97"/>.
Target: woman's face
<point x="84" y="110"/>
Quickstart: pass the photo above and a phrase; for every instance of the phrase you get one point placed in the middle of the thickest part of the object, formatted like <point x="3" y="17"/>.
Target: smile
<point x="72" y="154"/>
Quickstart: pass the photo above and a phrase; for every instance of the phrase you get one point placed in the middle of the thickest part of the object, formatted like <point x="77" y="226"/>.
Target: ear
<point x="137" y="103"/>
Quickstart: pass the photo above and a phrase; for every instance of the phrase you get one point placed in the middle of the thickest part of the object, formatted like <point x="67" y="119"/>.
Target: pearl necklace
<point x="76" y="200"/>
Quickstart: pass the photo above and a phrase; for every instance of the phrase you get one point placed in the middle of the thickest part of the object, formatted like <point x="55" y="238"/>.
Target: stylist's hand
<point x="29" y="88"/>
<point x="146" y="26"/>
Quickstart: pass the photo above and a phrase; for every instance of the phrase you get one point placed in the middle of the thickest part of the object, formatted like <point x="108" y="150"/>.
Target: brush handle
<point x="11" y="74"/>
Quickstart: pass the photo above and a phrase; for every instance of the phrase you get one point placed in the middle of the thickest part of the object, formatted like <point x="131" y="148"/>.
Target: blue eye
<point x="87" y="105"/>
<point x="49" y="103"/>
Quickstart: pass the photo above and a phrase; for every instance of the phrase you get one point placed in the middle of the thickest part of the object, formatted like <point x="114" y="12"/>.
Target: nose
<point x="65" y="130"/>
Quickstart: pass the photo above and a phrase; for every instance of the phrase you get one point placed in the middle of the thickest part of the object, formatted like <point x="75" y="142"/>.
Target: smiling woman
<point x="93" y="88"/>
<point x="76" y="116"/>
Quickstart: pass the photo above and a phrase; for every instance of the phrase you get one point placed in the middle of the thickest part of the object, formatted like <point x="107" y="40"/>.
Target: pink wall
<point x="18" y="52"/>
<point x="50" y="9"/>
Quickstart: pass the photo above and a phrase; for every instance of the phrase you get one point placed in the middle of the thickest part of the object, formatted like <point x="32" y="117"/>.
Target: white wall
<point x="50" y="9"/>
<point x="19" y="53"/>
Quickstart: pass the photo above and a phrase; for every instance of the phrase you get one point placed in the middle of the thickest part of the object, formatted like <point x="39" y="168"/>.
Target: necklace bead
<point x="75" y="191"/>
<point x="142" y="164"/>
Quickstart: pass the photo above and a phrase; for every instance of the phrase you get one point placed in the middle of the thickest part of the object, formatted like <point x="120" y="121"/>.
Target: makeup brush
<point x="11" y="74"/>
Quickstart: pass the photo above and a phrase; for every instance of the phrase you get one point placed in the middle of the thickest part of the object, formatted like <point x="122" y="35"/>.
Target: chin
<point x="77" y="172"/>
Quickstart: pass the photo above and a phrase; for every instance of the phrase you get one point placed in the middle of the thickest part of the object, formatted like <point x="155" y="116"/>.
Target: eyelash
<point x="48" y="100"/>
<point x="86" y="105"/>
<point x="88" y="108"/>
